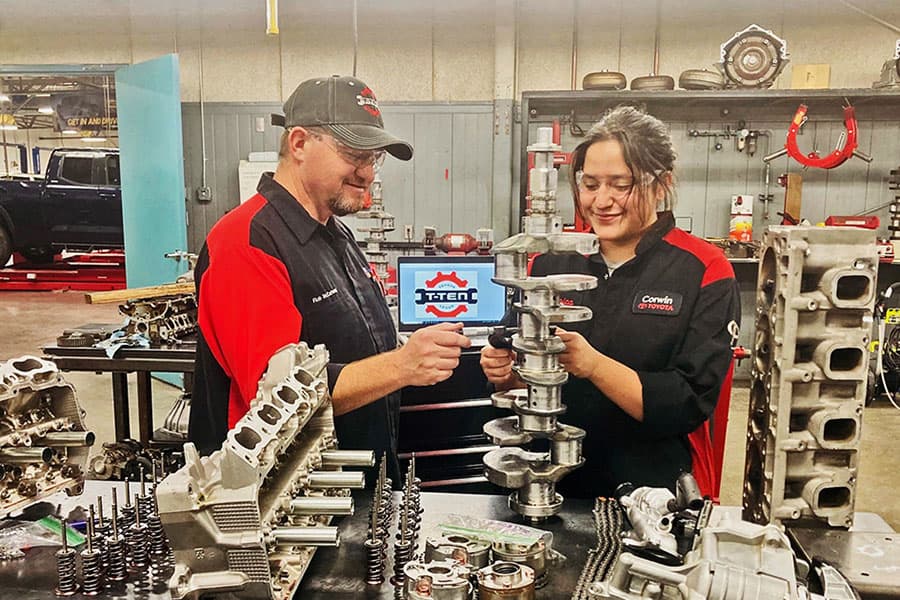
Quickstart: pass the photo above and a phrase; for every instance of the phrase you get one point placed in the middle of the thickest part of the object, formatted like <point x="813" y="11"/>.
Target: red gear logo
<point x="432" y="295"/>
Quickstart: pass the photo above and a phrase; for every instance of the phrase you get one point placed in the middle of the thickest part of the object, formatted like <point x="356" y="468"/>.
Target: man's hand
<point x="431" y="354"/>
<point x="497" y="366"/>
<point x="579" y="358"/>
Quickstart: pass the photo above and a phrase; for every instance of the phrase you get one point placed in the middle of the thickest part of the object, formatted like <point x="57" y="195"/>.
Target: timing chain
<point x="608" y="521"/>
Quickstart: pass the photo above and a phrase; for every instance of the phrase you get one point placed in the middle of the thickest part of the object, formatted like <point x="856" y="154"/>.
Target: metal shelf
<point x="587" y="106"/>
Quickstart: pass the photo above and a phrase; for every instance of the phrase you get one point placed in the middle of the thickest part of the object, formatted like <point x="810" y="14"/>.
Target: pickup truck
<point x="77" y="205"/>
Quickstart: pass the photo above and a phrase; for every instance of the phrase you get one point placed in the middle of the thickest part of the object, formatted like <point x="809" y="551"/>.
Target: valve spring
<point x="374" y="561"/>
<point x="90" y="572"/>
<point x="145" y="507"/>
<point x="100" y="540"/>
<point x="403" y="551"/>
<point x="126" y="520"/>
<point x="136" y="539"/>
<point x="65" y="571"/>
<point x="158" y="542"/>
<point x="117" y="570"/>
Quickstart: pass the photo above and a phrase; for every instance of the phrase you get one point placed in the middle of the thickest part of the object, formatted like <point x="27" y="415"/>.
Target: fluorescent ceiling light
<point x="4" y="98"/>
<point x="45" y="110"/>
<point x="93" y="139"/>
<point x="70" y="131"/>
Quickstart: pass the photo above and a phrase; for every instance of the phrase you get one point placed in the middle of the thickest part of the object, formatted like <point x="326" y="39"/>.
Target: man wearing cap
<point x="281" y="268"/>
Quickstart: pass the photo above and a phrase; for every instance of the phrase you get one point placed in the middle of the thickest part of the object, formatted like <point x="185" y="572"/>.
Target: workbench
<point x="335" y="573"/>
<point x="140" y="361"/>
<point x="338" y="573"/>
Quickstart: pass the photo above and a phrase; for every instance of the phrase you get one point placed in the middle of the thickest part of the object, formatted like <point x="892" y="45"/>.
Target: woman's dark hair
<point x="646" y="148"/>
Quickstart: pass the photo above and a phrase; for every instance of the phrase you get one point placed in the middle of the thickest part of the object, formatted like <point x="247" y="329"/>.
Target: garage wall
<point x="415" y="51"/>
<point x="448" y="183"/>
<point x="435" y="61"/>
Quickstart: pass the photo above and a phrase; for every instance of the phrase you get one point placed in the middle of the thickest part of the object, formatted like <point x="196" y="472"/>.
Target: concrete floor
<point x="29" y="320"/>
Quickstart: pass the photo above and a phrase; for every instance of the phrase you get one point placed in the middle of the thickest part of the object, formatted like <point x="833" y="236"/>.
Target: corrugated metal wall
<point x="448" y="184"/>
<point x="707" y="178"/>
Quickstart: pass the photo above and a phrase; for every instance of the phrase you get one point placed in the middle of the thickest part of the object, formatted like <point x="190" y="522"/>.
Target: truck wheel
<point x="5" y="247"/>
<point x="39" y="254"/>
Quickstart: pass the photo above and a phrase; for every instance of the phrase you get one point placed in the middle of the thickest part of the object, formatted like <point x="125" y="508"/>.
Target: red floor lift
<point x="91" y="271"/>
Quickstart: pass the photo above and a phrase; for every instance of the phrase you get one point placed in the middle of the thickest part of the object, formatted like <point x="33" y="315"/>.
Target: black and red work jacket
<point x="270" y="275"/>
<point x="671" y="313"/>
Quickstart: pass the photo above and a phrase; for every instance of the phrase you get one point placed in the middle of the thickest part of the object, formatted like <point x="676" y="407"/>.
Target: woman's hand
<point x="579" y="358"/>
<point x="497" y="366"/>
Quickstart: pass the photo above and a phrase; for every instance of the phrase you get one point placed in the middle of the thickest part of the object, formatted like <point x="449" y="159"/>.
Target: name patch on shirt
<point x="656" y="303"/>
<point x="324" y="295"/>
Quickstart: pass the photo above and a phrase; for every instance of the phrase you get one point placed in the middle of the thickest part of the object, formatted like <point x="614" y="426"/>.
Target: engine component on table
<point x="411" y="505"/>
<point x="505" y="581"/>
<point x="753" y="57"/>
<point x="733" y="561"/>
<point x="381" y="513"/>
<point x="468" y="551"/>
<point x="163" y="319"/>
<point x="604" y="80"/>
<point x="663" y="525"/>
<point x="117" y="569"/>
<point x="437" y="580"/>
<point x="228" y="517"/>
<point x="101" y="533"/>
<point x="534" y="474"/>
<point x="122" y="460"/>
<point x="701" y="79"/>
<point x="407" y="529"/>
<point x="91" y="561"/>
<point x="535" y="556"/>
<point x="136" y="541"/>
<point x="375" y="235"/>
<point x="43" y="440"/>
<point x="67" y="582"/>
<point x="815" y="297"/>
<point x="608" y="520"/>
<point x="85" y="336"/>
<point x="890" y="71"/>
<point x="129" y="511"/>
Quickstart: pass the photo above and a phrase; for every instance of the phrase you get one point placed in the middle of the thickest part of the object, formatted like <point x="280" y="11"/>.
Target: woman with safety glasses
<point x="646" y="370"/>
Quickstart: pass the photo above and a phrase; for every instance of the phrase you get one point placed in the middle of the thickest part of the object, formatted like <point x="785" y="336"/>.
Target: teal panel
<point x="148" y="101"/>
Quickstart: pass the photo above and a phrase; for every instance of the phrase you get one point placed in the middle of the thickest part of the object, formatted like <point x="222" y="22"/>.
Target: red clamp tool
<point x="847" y="145"/>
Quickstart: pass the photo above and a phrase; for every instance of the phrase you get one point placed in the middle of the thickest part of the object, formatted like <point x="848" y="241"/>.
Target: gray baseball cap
<point x="347" y="108"/>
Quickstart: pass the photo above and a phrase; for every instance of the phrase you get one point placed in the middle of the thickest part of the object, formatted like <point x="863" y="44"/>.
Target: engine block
<point x="163" y="320"/>
<point x="43" y="440"/>
<point x="248" y="518"/>
<point x="815" y="297"/>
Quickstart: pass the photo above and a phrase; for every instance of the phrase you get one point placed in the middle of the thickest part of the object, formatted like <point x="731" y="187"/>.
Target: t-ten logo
<point x="446" y="295"/>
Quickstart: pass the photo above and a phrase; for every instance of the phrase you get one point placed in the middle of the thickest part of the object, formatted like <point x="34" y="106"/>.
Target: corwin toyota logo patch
<point x="656" y="303"/>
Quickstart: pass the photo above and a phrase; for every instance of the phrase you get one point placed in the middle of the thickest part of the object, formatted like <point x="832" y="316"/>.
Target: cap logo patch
<point x="656" y="303"/>
<point x="366" y="99"/>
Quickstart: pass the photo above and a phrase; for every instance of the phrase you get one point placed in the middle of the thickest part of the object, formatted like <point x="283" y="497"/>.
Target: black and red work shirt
<point x="671" y="313"/>
<point x="270" y="275"/>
